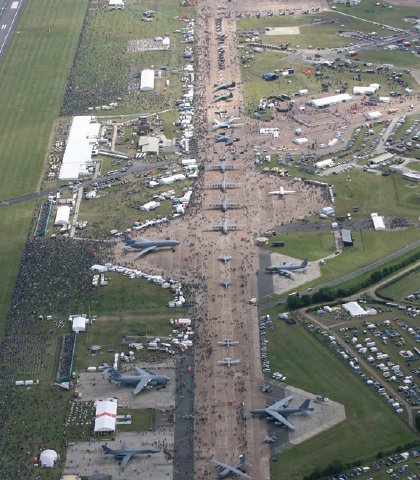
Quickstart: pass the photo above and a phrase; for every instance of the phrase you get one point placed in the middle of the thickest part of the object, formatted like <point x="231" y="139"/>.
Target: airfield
<point x="203" y="413"/>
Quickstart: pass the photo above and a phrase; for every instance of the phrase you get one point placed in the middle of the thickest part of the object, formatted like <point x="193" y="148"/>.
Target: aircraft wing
<point x="140" y="371"/>
<point x="280" y="418"/>
<point x="141" y="385"/>
<point x="281" y="403"/>
<point x="124" y="461"/>
<point x="285" y="273"/>
<point x="147" y="250"/>
<point x="125" y="445"/>
<point x="234" y="470"/>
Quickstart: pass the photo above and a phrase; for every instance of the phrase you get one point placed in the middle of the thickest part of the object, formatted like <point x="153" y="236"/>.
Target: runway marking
<point x="10" y="28"/>
<point x="3" y="27"/>
<point x="14" y="6"/>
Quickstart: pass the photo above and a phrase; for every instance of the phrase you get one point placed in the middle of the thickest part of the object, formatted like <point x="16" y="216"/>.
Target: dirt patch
<point x="283" y="31"/>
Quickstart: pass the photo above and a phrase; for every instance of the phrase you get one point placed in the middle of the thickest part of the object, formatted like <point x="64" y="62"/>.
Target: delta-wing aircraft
<point x="236" y="470"/>
<point x="146" y="246"/>
<point x="278" y="411"/>
<point x="224" y="258"/>
<point x="281" y="192"/>
<point x="225" y="283"/>
<point x="125" y="454"/>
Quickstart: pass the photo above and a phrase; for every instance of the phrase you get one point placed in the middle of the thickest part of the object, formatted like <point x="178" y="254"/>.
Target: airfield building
<point x="149" y="145"/>
<point x="147" y="82"/>
<point x="83" y="136"/>
<point x="347" y="238"/>
<point x="105" y="415"/>
<point x="329" y="101"/>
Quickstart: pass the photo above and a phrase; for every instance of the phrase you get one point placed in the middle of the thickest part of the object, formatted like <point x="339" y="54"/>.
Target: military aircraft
<point x="225" y="227"/>
<point x="286" y="268"/>
<point x="142" y="379"/>
<point x="265" y="388"/>
<point x="270" y="439"/>
<point x="228" y="361"/>
<point x="225" y="137"/>
<point x="225" y="283"/>
<point x="225" y="85"/>
<point x="228" y="342"/>
<point x="226" y="123"/>
<point x="230" y="470"/>
<point x="279" y="410"/>
<point x="224" y="205"/>
<point x="282" y="192"/>
<point x="222" y="167"/>
<point x="125" y="454"/>
<point x="147" y="246"/>
<point x="224" y="185"/>
<point x="224" y="258"/>
<point x="223" y="96"/>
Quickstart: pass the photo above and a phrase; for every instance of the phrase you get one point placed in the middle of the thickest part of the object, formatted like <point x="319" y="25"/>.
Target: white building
<point x="328" y="101"/>
<point x="147" y="82"/>
<point x="79" y="324"/>
<point x="328" y="163"/>
<point x="106" y="415"/>
<point x="63" y="216"/>
<point x="378" y="221"/>
<point x="370" y="90"/>
<point x="300" y="141"/>
<point x="354" y="309"/>
<point x="116" y="4"/>
<point x="83" y="136"/>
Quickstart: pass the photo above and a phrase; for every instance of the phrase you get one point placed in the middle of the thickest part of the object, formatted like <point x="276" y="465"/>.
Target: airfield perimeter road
<point x="9" y="12"/>
<point x="356" y="273"/>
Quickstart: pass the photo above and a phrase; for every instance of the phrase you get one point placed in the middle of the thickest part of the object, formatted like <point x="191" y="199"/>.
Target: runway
<point x="9" y="13"/>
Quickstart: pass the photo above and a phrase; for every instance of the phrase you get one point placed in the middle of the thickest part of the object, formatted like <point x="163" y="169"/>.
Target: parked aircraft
<point x="227" y="123"/>
<point x="228" y="361"/>
<point x="228" y="342"/>
<point x="223" y="86"/>
<point x="230" y="470"/>
<point x="125" y="454"/>
<point x="224" y="258"/>
<point x="265" y="388"/>
<point x="282" y="192"/>
<point x="224" y="185"/>
<point x="270" y="439"/>
<point x="224" y="205"/>
<point x="279" y="410"/>
<point x="225" y="137"/>
<point x="147" y="246"/>
<point x="286" y="268"/>
<point x="225" y="227"/>
<point x="222" y="167"/>
<point x="225" y="283"/>
<point x="142" y="379"/>
<point x="224" y="96"/>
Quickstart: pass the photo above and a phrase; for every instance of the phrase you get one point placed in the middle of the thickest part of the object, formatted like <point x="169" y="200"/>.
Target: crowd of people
<point x="66" y="356"/>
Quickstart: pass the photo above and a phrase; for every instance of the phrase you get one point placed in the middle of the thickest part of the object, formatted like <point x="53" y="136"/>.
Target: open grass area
<point x="380" y="12"/>
<point x="314" y="245"/>
<point x="414" y="166"/>
<point x="142" y="419"/>
<point x="104" y="69"/>
<point x="310" y="366"/>
<point x="394" y="57"/>
<point x="401" y="288"/>
<point x="45" y="41"/>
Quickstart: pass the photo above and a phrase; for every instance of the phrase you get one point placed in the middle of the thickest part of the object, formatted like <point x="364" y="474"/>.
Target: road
<point x="356" y="273"/>
<point x="9" y="12"/>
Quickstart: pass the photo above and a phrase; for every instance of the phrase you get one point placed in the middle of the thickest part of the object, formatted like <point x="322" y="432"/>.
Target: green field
<point x="310" y="366"/>
<point x="395" y="57"/>
<point x="314" y="245"/>
<point x="381" y="13"/>
<point x="45" y="41"/>
<point x="414" y="166"/>
<point x="105" y="70"/>
<point x="401" y="288"/>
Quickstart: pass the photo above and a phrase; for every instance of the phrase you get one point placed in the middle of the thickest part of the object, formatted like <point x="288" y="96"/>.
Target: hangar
<point x="147" y="82"/>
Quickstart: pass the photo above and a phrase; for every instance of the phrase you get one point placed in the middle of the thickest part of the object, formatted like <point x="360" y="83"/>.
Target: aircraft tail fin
<point x="305" y="406"/>
<point x="106" y="449"/>
<point x="305" y="262"/>
<point x="241" y="460"/>
<point x="127" y="239"/>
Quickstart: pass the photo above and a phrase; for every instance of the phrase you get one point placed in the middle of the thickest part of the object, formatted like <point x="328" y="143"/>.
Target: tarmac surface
<point x="9" y="12"/>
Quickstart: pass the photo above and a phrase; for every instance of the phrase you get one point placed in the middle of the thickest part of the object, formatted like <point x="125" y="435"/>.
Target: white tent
<point x="378" y="221"/>
<point x="373" y="115"/>
<point x="147" y="82"/>
<point x="79" y="324"/>
<point x="354" y="309"/>
<point x="333" y="100"/>
<point x="106" y="415"/>
<point x="117" y="4"/>
<point x="48" y="458"/>
<point x="63" y="215"/>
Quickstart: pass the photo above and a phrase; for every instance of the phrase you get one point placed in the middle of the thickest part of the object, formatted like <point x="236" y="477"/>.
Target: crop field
<point x="104" y="70"/>
<point x="404" y="286"/>
<point x="316" y="369"/>
<point x="47" y="37"/>
<point x="381" y="13"/>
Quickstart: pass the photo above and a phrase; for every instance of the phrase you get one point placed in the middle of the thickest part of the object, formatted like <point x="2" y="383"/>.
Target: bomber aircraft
<point x="146" y="246"/>
<point x="285" y="269"/>
<point x="278" y="411"/>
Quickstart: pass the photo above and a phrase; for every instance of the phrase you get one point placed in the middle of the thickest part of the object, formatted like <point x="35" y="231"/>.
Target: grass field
<point x="315" y="244"/>
<point x="401" y="288"/>
<point x="317" y="370"/>
<point x="375" y="12"/>
<point x="414" y="166"/>
<point x="396" y="58"/>
<point x="104" y="68"/>
<point x="29" y="102"/>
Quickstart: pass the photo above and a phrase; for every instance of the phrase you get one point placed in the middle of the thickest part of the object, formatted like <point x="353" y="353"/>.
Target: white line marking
<point x="14" y="5"/>
<point x="10" y="29"/>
